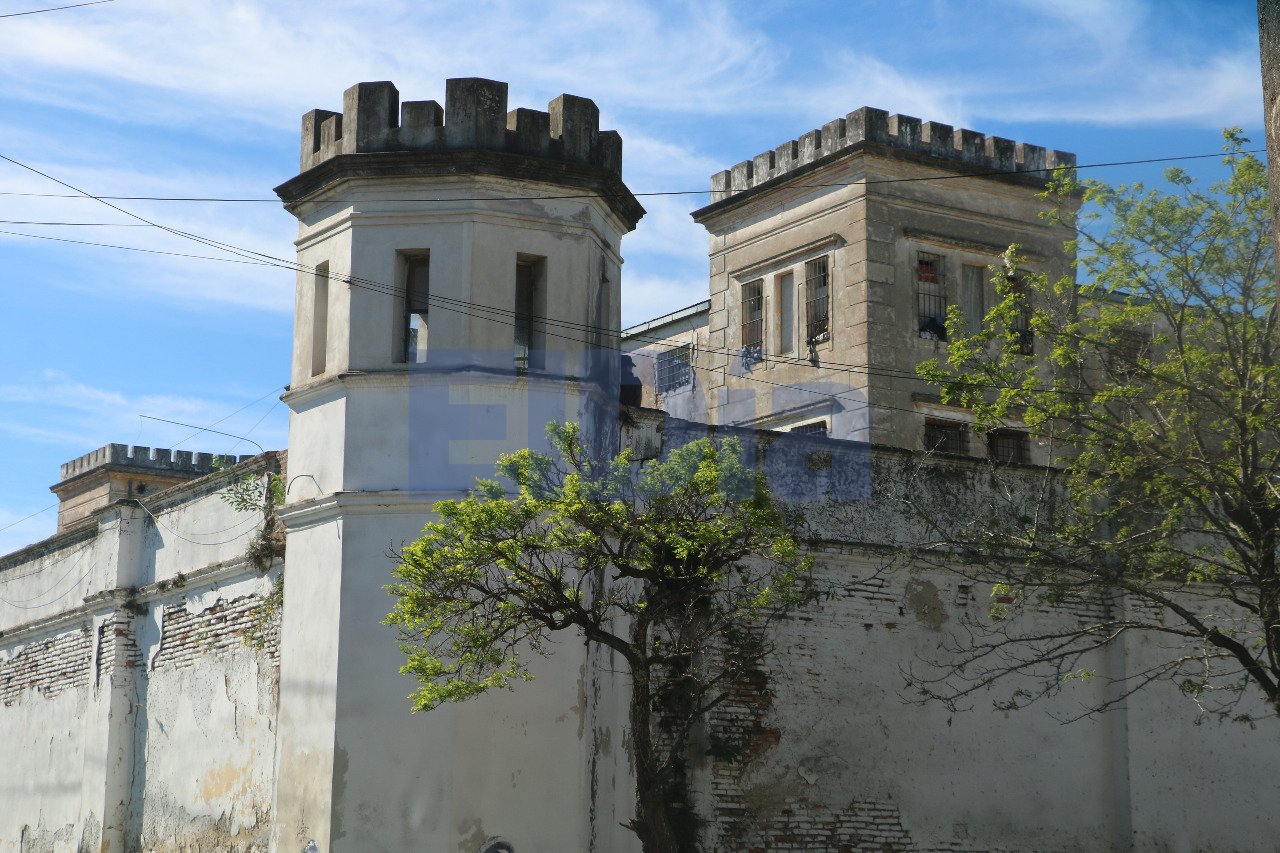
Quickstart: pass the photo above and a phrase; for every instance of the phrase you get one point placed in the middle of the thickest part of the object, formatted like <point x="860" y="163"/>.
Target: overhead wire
<point x="55" y="8"/>
<point x="651" y="193"/>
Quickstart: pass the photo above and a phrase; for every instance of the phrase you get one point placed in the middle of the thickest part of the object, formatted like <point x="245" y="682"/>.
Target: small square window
<point x="1009" y="445"/>
<point x="674" y="368"/>
<point x="946" y="437"/>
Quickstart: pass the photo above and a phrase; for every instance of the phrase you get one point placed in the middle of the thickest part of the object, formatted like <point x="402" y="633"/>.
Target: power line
<point x="28" y="518"/>
<point x="447" y="303"/>
<point x="648" y="194"/>
<point x="56" y="8"/>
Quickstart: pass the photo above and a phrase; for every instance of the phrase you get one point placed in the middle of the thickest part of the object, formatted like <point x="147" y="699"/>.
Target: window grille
<point x="674" y="368"/>
<point x="815" y="428"/>
<point x="1009" y="445"/>
<point x="946" y="437"/>
<point x="931" y="296"/>
<point x="1129" y="345"/>
<point x="817" y="301"/>
<point x="753" y="315"/>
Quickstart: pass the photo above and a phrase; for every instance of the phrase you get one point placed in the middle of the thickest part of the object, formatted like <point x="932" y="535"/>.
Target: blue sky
<point x="203" y="98"/>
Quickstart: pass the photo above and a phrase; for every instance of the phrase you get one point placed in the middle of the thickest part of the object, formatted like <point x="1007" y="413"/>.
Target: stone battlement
<point x="474" y="117"/>
<point x="877" y="127"/>
<point x="155" y="458"/>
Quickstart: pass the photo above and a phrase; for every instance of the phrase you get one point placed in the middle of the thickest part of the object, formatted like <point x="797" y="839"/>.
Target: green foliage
<point x="266" y="616"/>
<point x="677" y="566"/>
<point x="1155" y="392"/>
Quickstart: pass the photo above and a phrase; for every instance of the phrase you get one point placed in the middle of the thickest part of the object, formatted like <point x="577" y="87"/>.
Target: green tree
<point x="1153" y="387"/>
<point x="678" y="566"/>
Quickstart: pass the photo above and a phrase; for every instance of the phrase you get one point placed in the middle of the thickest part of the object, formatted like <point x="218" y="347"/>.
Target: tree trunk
<point x="651" y="823"/>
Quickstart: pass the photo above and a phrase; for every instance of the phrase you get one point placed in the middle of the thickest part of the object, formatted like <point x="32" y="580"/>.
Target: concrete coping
<point x="907" y="133"/>
<point x="474" y="116"/>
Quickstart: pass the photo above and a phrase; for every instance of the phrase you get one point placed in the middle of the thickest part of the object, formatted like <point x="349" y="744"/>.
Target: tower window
<point x="931" y="296"/>
<point x="753" y="315"/>
<point x="531" y="309"/>
<point x="320" y="319"/>
<point x="817" y="301"/>
<point x="416" y="302"/>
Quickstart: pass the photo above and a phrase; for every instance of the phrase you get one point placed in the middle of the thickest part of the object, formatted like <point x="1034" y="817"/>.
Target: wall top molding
<point x="868" y="128"/>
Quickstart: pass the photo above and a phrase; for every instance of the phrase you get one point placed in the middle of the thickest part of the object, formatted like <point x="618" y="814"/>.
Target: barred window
<point x="931" y="296"/>
<point x="1021" y="326"/>
<point x="817" y="305"/>
<point x="946" y="437"/>
<point x="1128" y="346"/>
<point x="815" y="428"/>
<point x="1009" y="445"/>
<point x="674" y="368"/>
<point x="753" y="314"/>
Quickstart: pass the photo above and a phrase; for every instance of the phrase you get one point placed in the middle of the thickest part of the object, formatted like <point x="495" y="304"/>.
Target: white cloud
<point x="79" y="417"/>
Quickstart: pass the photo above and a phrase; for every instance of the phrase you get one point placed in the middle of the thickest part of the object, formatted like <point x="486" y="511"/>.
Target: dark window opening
<point x="1024" y="337"/>
<point x="753" y="315"/>
<point x="531" y="309"/>
<point x="674" y="368"/>
<point x="815" y="428"/>
<point x="1128" y="347"/>
<point x="817" y="301"/>
<point x="320" y="319"/>
<point x="931" y="296"/>
<point x="417" y="297"/>
<point x="946" y="437"/>
<point x="1009" y="445"/>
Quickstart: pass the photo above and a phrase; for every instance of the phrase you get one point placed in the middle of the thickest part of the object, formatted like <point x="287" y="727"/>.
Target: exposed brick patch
<point x="187" y="637"/>
<point x="117" y="646"/>
<point x="50" y="666"/>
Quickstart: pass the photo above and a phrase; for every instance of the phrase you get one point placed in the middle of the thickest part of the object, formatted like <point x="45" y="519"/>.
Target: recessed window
<point x="417" y="286"/>
<point x="674" y="368"/>
<point x="753" y="315"/>
<point x="320" y="319"/>
<point x="1127" y="348"/>
<point x="531" y="311"/>
<point x="786" y="312"/>
<point x="817" y="301"/>
<point x="1009" y="445"/>
<point x="941" y="436"/>
<point x="1025" y="340"/>
<point x="973" y="286"/>
<point x="931" y="296"/>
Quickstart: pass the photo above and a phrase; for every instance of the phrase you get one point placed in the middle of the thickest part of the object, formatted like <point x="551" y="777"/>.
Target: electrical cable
<point x="55" y="8"/>
<point x="653" y="193"/>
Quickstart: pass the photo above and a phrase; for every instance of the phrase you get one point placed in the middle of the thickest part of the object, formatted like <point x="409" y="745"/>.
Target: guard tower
<point x="459" y="288"/>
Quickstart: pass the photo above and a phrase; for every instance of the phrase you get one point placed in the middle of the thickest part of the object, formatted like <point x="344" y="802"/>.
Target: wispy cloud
<point x="53" y="408"/>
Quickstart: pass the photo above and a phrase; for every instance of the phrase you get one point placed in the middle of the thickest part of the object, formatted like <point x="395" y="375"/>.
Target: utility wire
<point x="650" y="194"/>
<point x="491" y="313"/>
<point x="56" y="8"/>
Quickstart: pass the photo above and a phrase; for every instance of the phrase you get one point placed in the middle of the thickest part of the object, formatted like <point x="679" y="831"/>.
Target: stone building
<point x="459" y="286"/>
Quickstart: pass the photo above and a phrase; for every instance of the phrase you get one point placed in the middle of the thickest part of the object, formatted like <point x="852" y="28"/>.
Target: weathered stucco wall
<point x="138" y="679"/>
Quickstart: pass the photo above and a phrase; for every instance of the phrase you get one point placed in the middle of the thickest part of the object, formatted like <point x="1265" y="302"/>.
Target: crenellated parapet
<point x="156" y="459"/>
<point x="868" y="126"/>
<point x="474" y="117"/>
